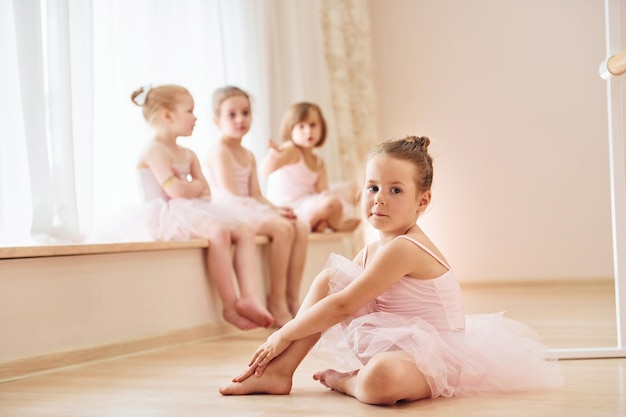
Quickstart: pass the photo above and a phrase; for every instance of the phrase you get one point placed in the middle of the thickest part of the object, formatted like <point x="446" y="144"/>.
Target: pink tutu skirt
<point x="247" y="210"/>
<point x="161" y="219"/>
<point x="493" y="354"/>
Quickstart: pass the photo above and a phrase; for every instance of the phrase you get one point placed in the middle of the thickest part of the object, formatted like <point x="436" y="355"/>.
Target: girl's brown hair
<point x="223" y="93"/>
<point x="157" y="98"/>
<point x="295" y="114"/>
<point x="413" y="149"/>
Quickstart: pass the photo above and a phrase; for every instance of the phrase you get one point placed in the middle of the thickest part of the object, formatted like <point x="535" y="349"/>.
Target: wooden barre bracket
<point x="613" y="65"/>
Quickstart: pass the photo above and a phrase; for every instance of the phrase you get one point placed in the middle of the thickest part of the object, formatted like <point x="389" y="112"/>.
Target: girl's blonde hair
<point x="413" y="149"/>
<point x="223" y="93"/>
<point x="295" y="114"/>
<point x="157" y="98"/>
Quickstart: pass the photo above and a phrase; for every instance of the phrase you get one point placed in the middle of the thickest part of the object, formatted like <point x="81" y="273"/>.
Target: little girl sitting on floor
<point x="394" y="317"/>
<point x="297" y="176"/>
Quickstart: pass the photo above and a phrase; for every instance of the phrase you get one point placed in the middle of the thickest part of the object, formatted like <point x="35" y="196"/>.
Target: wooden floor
<point x="183" y="380"/>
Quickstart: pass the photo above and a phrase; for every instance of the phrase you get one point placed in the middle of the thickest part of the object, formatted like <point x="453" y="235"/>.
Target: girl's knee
<point x="322" y="280"/>
<point x="219" y="234"/>
<point x="243" y="231"/>
<point x="377" y="382"/>
<point x="301" y="228"/>
<point x="332" y="204"/>
<point x="282" y="230"/>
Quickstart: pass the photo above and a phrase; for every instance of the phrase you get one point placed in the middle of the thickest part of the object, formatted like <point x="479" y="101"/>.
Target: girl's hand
<point x="286" y="212"/>
<point x="273" y="346"/>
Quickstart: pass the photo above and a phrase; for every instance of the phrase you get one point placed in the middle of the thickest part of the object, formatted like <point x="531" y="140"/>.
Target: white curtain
<point x="38" y="153"/>
<point x="71" y="139"/>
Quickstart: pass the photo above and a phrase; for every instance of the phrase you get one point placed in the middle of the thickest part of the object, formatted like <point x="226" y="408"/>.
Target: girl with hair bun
<point x="393" y="317"/>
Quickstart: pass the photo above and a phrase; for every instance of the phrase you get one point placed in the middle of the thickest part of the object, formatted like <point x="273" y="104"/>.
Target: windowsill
<point x="14" y="252"/>
<point x="97" y="248"/>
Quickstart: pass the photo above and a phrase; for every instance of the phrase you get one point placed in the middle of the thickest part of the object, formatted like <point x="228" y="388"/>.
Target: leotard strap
<point x="364" y="257"/>
<point x="425" y="249"/>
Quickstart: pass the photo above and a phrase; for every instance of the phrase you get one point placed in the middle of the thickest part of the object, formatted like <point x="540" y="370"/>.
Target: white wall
<point x="509" y="93"/>
<point x="70" y="303"/>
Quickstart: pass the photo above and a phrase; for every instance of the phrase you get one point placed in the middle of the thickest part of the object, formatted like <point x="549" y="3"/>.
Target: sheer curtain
<point x="71" y="135"/>
<point x="38" y="146"/>
<point x="195" y="43"/>
<point x="347" y="48"/>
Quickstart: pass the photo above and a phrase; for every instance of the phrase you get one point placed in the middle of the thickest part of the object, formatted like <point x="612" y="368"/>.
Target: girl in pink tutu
<point x="394" y="316"/>
<point x="177" y="206"/>
<point x="232" y="173"/>
<point x="297" y="176"/>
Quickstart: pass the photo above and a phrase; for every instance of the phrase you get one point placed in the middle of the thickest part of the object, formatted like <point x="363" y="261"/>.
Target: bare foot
<point x="280" y="311"/>
<point x="268" y="383"/>
<point x="251" y="309"/>
<point x="232" y="316"/>
<point x="333" y="379"/>
<point x="349" y="225"/>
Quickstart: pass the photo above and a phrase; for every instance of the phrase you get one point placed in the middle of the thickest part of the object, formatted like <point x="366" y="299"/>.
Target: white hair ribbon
<point x="141" y="97"/>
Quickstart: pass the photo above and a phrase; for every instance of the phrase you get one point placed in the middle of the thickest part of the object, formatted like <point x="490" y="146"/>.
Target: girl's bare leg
<point x="319" y="226"/>
<point x="278" y="374"/>
<point x="330" y="210"/>
<point x="281" y="233"/>
<point x="221" y="274"/>
<point x="349" y="225"/>
<point x="297" y="261"/>
<point x="248" y="305"/>
<point x="326" y="212"/>
<point x="344" y="382"/>
<point x="386" y="379"/>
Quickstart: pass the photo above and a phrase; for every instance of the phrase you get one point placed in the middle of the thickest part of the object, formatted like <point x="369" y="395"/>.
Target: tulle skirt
<point x="248" y="210"/>
<point x="493" y="354"/>
<point x="161" y="219"/>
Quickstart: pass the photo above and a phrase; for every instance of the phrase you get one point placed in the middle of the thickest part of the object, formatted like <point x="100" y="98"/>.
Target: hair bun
<point x="140" y="95"/>
<point x="421" y="141"/>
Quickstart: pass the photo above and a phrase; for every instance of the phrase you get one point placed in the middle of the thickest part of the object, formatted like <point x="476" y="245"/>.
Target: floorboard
<point x="183" y="380"/>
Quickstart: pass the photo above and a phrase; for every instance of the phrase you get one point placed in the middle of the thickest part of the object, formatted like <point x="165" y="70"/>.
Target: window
<point x="72" y="136"/>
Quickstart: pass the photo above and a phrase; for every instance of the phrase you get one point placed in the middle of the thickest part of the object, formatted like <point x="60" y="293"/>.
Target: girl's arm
<point x="160" y="163"/>
<point x="277" y="157"/>
<point x="255" y="188"/>
<point x="395" y="260"/>
<point x="322" y="182"/>
<point x="255" y="192"/>
<point x="197" y="175"/>
<point x="392" y="262"/>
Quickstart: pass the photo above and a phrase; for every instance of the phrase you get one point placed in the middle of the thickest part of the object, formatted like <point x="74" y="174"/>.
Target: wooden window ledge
<point x="14" y="252"/>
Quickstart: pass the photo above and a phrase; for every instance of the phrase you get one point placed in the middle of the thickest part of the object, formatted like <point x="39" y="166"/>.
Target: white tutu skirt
<point x="248" y="210"/>
<point x="493" y="353"/>
<point x="161" y="219"/>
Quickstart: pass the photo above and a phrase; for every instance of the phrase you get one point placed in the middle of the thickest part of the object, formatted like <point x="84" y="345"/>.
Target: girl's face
<point x="183" y="118"/>
<point x="308" y="131"/>
<point x="234" y="117"/>
<point x="391" y="201"/>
